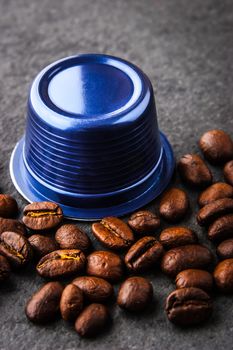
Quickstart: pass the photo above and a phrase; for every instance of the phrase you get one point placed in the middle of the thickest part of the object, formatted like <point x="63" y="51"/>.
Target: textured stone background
<point x="186" y="49"/>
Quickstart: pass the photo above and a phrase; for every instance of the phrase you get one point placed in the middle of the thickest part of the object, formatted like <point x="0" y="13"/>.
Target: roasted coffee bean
<point x="188" y="306"/>
<point x="12" y="225"/>
<point x="143" y="254"/>
<point x="43" y="306"/>
<point x="223" y="276"/>
<point x="216" y="191"/>
<point x="15" y="248"/>
<point x="92" y="320"/>
<point x="135" y="294"/>
<point x="42" y="245"/>
<point x="113" y="233"/>
<point x="42" y="215"/>
<point x="71" y="237"/>
<point x="71" y="303"/>
<point x="217" y="146"/>
<point x="8" y="206"/>
<point x="106" y="265"/>
<point x="194" y="278"/>
<point x="144" y="222"/>
<point x="225" y="249"/>
<point x="214" y="210"/>
<point x="192" y="256"/>
<point x="194" y="171"/>
<point x="5" y="269"/>
<point x="176" y="236"/>
<point x="95" y="289"/>
<point x="221" y="228"/>
<point x="61" y="263"/>
<point x="174" y="205"/>
<point x="228" y="172"/>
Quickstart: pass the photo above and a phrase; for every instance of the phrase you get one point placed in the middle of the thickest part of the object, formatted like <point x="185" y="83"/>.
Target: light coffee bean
<point x="70" y="236"/>
<point x="135" y="294"/>
<point x="192" y="256"/>
<point x="217" y="146"/>
<point x="39" y="216"/>
<point x="194" y="171"/>
<point x="214" y="210"/>
<point x="174" y="205"/>
<point x="43" y="306"/>
<point x="223" y="276"/>
<point x="61" y="263"/>
<point x="105" y="265"/>
<point x="113" y="233"/>
<point x="71" y="303"/>
<point x="144" y="254"/>
<point x="216" y="191"/>
<point x="92" y="321"/>
<point x="144" y="222"/>
<point x="188" y="306"/>
<point x="176" y="236"/>
<point x="95" y="289"/>
<point x="225" y="249"/>
<point x="42" y="245"/>
<point x="221" y="228"/>
<point x="195" y="278"/>
<point x="15" y="248"/>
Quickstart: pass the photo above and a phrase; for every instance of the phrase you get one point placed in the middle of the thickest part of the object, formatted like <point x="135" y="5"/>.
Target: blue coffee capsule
<point x="92" y="142"/>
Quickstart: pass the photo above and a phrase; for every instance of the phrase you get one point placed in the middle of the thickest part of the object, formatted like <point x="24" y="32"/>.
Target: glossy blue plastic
<point x="92" y="142"/>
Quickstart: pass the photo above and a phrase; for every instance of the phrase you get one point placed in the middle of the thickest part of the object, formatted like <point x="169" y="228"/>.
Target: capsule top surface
<point x="90" y="90"/>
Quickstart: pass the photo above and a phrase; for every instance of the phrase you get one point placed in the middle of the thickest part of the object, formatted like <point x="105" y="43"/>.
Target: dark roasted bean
<point x="4" y="268"/>
<point x="194" y="171"/>
<point x="61" y="263"/>
<point x="228" y="172"/>
<point x="174" y="205"/>
<point x="71" y="303"/>
<point x="223" y="276"/>
<point x="106" y="265"/>
<point x="221" y="228"/>
<point x="176" y="236"/>
<point x="15" y="248"/>
<point x="12" y="225"/>
<point x="8" y="206"/>
<point x="95" y="289"/>
<point x="135" y="294"/>
<point x="195" y="278"/>
<point x="217" y="146"/>
<point x="71" y="237"/>
<point x="42" y="215"/>
<point x="214" y="210"/>
<point x="113" y="233"/>
<point x="188" y="306"/>
<point x="216" y="191"/>
<point x="42" y="245"/>
<point x="143" y="254"/>
<point x="192" y="256"/>
<point x="43" y="306"/>
<point x="144" y="222"/>
<point x="92" y="320"/>
<point x="225" y="249"/>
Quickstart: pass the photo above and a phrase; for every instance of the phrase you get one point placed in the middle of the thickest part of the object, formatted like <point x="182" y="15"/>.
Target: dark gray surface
<point x="186" y="49"/>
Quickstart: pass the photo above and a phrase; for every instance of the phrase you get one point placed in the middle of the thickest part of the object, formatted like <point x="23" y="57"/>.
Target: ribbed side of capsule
<point x="97" y="160"/>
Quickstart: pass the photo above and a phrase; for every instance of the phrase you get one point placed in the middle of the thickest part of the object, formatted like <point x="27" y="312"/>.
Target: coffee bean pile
<point x="81" y="279"/>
